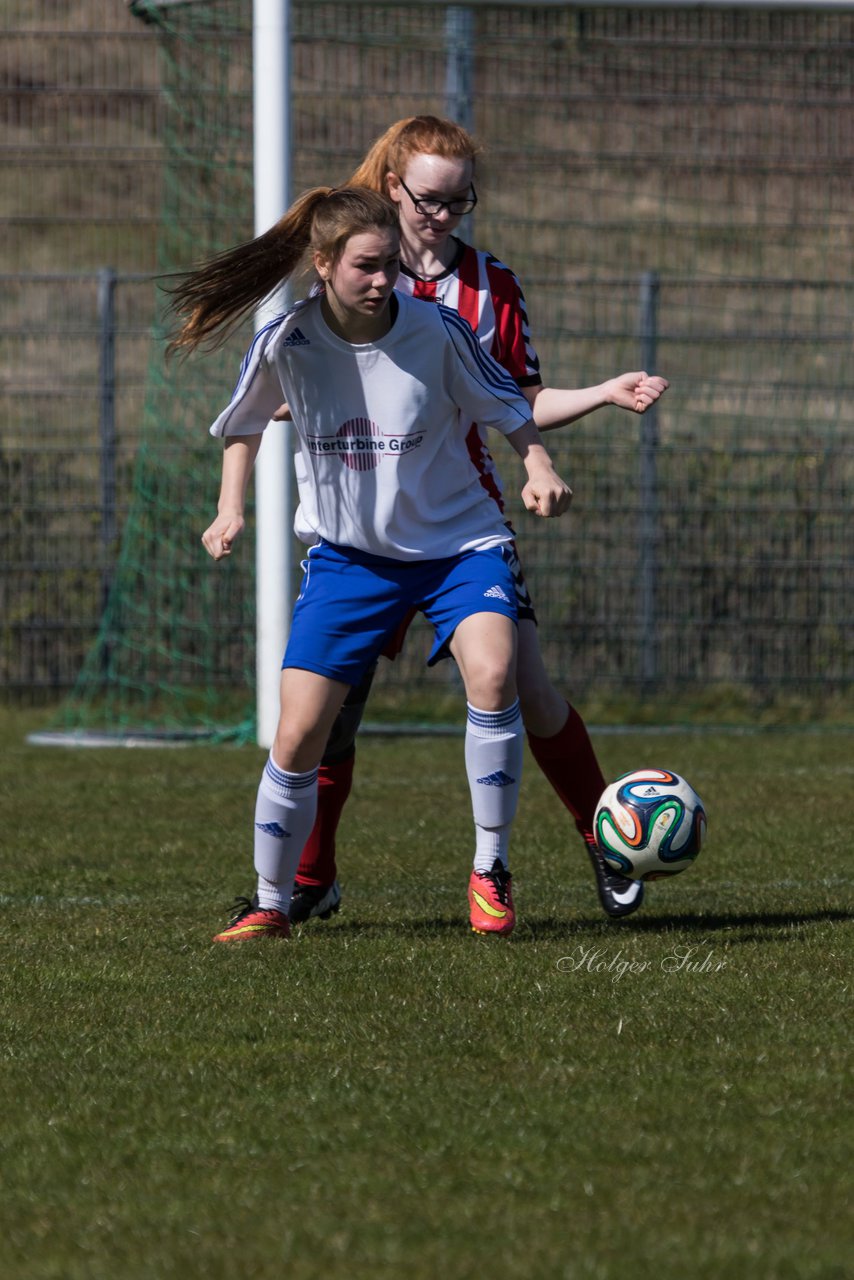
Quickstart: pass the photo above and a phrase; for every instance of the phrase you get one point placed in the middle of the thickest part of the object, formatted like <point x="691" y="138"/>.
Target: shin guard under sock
<point x="569" y="762"/>
<point x="493" y="751"/>
<point x="317" y="865"/>
<point x="284" y="815"/>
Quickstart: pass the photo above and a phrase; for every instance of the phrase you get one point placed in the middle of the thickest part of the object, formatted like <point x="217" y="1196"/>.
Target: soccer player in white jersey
<point x="427" y="166"/>
<point x="377" y="384"/>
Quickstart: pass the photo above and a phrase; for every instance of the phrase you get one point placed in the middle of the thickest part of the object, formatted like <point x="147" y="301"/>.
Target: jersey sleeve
<point x="512" y="346"/>
<point x="258" y="393"/>
<point x="479" y="385"/>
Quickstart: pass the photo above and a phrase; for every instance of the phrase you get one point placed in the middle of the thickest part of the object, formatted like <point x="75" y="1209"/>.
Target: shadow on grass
<point x="746" y="927"/>
<point x="757" y="924"/>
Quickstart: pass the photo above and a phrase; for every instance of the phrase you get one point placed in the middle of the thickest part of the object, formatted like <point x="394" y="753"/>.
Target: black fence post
<point x="107" y="422"/>
<point x="459" y="49"/>
<point x="459" y="80"/>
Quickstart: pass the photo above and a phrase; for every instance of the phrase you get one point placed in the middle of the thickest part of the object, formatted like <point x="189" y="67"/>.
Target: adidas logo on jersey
<point x="296" y="338"/>
<point x="497" y="779"/>
<point x="497" y="594"/>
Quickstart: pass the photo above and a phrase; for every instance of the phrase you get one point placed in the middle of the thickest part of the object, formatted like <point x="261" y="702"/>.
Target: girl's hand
<point x="219" y="538"/>
<point x="546" y="494"/>
<point x="635" y="391"/>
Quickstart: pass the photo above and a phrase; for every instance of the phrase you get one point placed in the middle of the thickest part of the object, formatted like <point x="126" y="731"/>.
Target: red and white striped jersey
<point x="489" y="296"/>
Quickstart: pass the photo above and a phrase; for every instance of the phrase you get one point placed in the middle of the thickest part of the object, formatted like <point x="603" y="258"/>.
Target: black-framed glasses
<point x="429" y="206"/>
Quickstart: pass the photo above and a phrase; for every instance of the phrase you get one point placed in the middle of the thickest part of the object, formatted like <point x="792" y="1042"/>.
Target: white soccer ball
<point x="649" y="823"/>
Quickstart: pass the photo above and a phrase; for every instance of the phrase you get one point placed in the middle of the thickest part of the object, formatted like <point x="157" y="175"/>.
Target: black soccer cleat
<point x="618" y="895"/>
<point x="314" y="901"/>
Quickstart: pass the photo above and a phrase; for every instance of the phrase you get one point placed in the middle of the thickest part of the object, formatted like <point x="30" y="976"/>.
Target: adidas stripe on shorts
<point x="524" y="603"/>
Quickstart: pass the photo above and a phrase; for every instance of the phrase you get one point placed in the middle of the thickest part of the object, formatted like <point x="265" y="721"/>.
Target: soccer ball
<point x="649" y="824"/>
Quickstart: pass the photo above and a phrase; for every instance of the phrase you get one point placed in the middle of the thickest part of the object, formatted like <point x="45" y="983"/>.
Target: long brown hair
<point x="212" y="299"/>
<point x="413" y="136"/>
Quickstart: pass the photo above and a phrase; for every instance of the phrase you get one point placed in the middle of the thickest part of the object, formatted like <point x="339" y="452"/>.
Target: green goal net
<point x="173" y="658"/>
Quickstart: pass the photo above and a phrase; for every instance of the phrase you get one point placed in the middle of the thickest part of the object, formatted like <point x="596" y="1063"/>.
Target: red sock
<point x="317" y="864"/>
<point x="569" y="762"/>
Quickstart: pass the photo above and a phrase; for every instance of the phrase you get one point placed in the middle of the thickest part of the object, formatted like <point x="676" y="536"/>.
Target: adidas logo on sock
<point x="497" y="594"/>
<point x="497" y="779"/>
<point x="272" y="829"/>
<point x="296" y="338"/>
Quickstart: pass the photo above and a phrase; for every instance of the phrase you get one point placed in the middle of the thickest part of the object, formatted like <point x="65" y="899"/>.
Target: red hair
<point x="414" y="136"/>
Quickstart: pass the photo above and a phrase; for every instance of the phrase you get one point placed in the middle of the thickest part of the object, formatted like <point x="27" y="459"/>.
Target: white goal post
<point x="274" y="485"/>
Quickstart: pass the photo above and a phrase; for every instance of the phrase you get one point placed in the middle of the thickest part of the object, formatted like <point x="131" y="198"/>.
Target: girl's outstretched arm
<point x="552" y="407"/>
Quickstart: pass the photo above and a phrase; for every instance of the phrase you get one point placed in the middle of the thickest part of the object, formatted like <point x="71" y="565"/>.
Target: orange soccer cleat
<point x="250" y="921"/>
<point x="491" y="901"/>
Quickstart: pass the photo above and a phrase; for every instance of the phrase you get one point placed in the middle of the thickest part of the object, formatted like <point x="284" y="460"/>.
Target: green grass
<point x="388" y="1095"/>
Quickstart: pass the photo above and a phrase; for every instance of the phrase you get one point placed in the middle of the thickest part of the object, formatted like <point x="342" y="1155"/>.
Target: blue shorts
<point x="351" y="603"/>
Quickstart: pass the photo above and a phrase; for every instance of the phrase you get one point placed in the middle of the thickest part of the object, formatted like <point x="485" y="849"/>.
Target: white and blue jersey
<point x="382" y="464"/>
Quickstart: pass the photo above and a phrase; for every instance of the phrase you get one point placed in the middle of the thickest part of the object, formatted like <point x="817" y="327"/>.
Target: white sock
<point x="494" y="745"/>
<point x="284" y="816"/>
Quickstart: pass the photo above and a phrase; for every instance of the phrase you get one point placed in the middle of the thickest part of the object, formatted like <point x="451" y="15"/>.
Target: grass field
<point x="388" y="1095"/>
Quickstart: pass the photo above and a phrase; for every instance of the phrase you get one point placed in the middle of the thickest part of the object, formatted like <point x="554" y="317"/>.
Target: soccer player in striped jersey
<point x="395" y="518"/>
<point x="427" y="167"/>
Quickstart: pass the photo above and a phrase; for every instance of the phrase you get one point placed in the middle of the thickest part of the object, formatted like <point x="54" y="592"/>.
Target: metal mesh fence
<point x="673" y="188"/>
